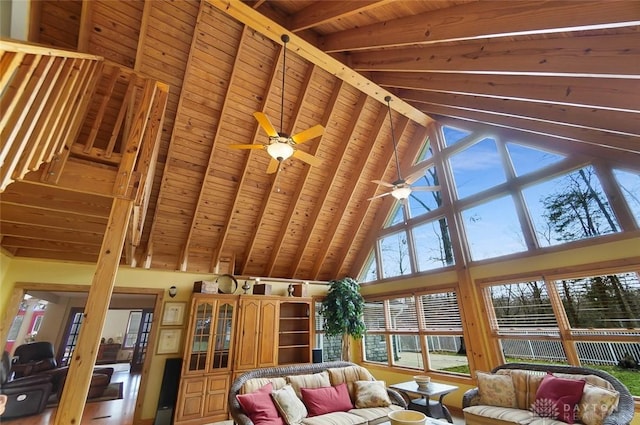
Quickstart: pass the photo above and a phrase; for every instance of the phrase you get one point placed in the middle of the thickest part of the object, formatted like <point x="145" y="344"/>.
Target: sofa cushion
<point x="326" y="400"/>
<point x="497" y="415"/>
<point x="374" y="415"/>
<point x="496" y="390"/>
<point x="349" y="374"/>
<point x="310" y="380"/>
<point x="259" y="406"/>
<point x="558" y="398"/>
<point x="254" y="384"/>
<point x="335" y="418"/>
<point x="591" y="379"/>
<point x="371" y="394"/>
<point x="291" y="408"/>
<point x="596" y="404"/>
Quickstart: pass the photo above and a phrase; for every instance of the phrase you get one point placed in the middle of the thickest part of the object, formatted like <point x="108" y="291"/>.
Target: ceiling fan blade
<point x="264" y="122"/>
<point x="308" y="134"/>
<point x="425" y="188"/>
<point x="273" y="166"/>
<point x="379" y="196"/>
<point x="308" y="158"/>
<point x="254" y="146"/>
<point x="381" y="183"/>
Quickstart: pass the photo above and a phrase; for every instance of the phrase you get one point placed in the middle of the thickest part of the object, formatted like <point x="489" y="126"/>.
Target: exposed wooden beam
<point x="582" y="135"/>
<point x="609" y="56"/>
<point x="86" y="18"/>
<point x="257" y="21"/>
<point x="606" y="93"/>
<point x="485" y="19"/>
<point x="615" y="122"/>
<point x="74" y="394"/>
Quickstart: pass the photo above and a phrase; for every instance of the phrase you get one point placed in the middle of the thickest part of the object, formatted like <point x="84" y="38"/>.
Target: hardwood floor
<point x="113" y="412"/>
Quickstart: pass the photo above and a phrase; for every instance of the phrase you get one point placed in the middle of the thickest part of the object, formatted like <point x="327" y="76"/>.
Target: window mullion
<point x="563" y="323"/>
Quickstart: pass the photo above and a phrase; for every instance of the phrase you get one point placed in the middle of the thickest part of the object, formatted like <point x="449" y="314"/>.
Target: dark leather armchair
<point x="33" y="358"/>
<point x="25" y="396"/>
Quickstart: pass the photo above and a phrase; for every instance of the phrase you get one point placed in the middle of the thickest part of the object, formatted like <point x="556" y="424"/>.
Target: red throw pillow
<point x="259" y="406"/>
<point x="557" y="398"/>
<point x="326" y="399"/>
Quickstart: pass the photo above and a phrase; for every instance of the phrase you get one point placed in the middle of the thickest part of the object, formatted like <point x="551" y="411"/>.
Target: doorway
<point x="64" y="305"/>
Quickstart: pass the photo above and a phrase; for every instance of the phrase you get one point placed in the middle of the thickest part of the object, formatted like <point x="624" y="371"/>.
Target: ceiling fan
<point x="282" y="146"/>
<point x="401" y="188"/>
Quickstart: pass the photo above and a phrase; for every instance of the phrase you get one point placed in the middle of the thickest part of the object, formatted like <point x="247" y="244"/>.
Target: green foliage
<point x="343" y="308"/>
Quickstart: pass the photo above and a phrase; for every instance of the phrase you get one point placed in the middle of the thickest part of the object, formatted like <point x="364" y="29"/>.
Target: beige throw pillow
<point x="496" y="390"/>
<point x="371" y="394"/>
<point x="291" y="408"/>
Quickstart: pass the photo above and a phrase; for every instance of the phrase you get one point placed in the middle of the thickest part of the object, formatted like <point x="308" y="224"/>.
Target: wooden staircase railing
<point x="44" y="96"/>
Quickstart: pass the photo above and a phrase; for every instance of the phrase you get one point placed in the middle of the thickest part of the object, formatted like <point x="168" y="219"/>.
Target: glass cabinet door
<point x="201" y="336"/>
<point x="223" y="335"/>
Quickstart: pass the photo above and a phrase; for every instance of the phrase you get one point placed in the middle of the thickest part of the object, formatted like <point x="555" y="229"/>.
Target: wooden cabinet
<point x="230" y="334"/>
<point x="257" y="331"/>
<point x="207" y="361"/>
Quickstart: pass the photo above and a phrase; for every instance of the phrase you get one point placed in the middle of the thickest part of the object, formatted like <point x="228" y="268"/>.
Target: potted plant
<point x="343" y="309"/>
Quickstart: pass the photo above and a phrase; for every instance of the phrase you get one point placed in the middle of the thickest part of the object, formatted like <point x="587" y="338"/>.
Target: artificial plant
<point x="343" y="309"/>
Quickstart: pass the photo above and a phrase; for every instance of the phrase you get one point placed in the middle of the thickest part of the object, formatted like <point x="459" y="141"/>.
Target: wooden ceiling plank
<point x="381" y="215"/>
<point x="302" y="181"/>
<point x="69" y="221"/>
<point x="609" y="56"/>
<point x="102" y="109"/>
<point x="245" y="14"/>
<point x="54" y="199"/>
<point x="266" y="205"/>
<point x="60" y="256"/>
<point x="322" y="12"/>
<point x="31" y="231"/>
<point x="608" y="93"/>
<point x="359" y="169"/>
<point x="212" y="159"/>
<point x="48" y="245"/>
<point x="345" y="195"/>
<point x="595" y="137"/>
<point x="229" y="222"/>
<point x="616" y="122"/>
<point x="157" y="221"/>
<point x="485" y="19"/>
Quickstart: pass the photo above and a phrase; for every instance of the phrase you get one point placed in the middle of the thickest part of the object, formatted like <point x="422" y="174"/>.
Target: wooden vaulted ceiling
<point x="565" y="73"/>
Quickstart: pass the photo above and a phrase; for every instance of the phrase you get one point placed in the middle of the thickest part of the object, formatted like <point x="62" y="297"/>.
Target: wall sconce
<point x="173" y="291"/>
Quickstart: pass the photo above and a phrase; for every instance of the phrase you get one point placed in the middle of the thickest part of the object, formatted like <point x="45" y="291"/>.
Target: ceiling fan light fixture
<point x="280" y="151"/>
<point x="401" y="193"/>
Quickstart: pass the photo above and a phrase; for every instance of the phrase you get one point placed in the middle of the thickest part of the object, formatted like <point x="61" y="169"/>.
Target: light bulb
<point x="280" y="150"/>
<point x="401" y="193"/>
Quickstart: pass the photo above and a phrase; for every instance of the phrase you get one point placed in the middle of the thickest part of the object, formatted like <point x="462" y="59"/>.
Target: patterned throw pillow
<point x="596" y="404"/>
<point x="291" y="408"/>
<point x="371" y="394"/>
<point x="496" y="390"/>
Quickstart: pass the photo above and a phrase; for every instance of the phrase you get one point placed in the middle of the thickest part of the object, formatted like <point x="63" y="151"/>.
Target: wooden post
<point x="80" y="371"/>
